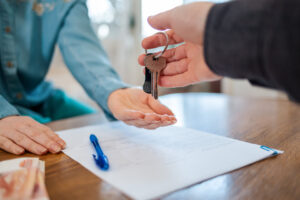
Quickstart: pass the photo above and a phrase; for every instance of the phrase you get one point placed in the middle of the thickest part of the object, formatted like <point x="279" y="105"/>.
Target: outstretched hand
<point x="137" y="108"/>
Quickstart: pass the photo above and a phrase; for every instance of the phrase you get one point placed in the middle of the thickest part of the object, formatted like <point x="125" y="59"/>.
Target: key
<point x="155" y="65"/>
<point x="147" y="83"/>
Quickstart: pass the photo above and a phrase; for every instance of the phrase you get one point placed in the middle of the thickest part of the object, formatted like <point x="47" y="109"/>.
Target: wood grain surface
<point x="274" y="123"/>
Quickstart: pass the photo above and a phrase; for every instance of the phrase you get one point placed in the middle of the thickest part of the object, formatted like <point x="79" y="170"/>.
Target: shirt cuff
<point x="6" y="108"/>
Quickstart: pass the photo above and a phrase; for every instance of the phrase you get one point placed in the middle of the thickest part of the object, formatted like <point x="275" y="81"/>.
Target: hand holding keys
<point x="154" y="64"/>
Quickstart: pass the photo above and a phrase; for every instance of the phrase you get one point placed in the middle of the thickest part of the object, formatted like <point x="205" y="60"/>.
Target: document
<point x="147" y="164"/>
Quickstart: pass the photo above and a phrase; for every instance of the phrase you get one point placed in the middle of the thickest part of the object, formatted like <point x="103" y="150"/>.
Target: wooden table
<point x="274" y="123"/>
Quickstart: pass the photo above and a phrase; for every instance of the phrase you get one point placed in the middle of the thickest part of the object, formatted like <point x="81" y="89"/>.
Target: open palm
<point x="137" y="108"/>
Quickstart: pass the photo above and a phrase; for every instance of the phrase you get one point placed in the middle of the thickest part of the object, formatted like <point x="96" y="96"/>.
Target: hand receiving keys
<point x="137" y="108"/>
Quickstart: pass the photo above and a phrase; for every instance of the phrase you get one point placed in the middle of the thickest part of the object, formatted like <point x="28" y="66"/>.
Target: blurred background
<point x="120" y="26"/>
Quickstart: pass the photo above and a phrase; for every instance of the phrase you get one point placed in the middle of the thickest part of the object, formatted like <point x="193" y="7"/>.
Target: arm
<point x="89" y="64"/>
<point x="257" y="40"/>
<point x="86" y="58"/>
<point x="20" y="133"/>
<point x="6" y="108"/>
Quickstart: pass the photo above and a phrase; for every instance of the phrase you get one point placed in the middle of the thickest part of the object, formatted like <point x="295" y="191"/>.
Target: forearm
<point x="257" y="40"/>
<point x="86" y="58"/>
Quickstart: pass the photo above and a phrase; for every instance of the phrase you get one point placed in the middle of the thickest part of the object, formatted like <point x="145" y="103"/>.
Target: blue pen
<point x="102" y="160"/>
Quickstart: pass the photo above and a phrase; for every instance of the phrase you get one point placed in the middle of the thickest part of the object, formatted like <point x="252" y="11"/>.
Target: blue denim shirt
<point x="29" y="31"/>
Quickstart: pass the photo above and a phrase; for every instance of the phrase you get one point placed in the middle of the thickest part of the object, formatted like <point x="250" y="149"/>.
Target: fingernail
<point x="62" y="143"/>
<point x="167" y="123"/>
<point x="55" y="148"/>
<point x="42" y="150"/>
<point x="19" y="151"/>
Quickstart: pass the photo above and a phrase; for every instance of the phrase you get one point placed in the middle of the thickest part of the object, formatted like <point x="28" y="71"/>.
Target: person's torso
<point x="28" y="34"/>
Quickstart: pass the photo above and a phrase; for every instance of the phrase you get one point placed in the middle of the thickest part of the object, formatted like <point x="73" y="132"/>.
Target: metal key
<point x="155" y="65"/>
<point x="147" y="83"/>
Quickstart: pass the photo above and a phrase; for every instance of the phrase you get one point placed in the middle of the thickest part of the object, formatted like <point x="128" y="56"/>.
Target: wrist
<point x="113" y="97"/>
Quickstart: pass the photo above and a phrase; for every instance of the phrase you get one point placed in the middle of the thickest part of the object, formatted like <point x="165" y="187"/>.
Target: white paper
<point x="146" y="164"/>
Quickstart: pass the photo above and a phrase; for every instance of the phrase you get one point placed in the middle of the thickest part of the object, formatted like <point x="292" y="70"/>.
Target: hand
<point x="185" y="63"/>
<point x="19" y="133"/>
<point x="187" y="21"/>
<point x="137" y="108"/>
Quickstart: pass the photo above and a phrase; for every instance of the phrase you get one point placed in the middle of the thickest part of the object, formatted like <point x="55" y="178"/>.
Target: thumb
<point x="161" y="21"/>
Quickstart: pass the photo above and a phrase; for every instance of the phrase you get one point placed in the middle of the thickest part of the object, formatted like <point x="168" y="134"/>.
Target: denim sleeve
<point x="85" y="57"/>
<point x="6" y="108"/>
<point x="257" y="40"/>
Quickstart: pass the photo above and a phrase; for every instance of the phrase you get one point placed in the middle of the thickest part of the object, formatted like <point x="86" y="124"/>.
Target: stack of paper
<point x="23" y="178"/>
<point x="146" y="164"/>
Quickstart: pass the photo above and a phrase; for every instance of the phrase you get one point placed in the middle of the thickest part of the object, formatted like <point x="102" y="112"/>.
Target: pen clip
<point x="101" y="159"/>
<point x="269" y="149"/>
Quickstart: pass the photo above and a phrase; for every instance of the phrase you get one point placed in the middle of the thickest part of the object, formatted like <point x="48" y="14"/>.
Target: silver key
<point x="155" y="65"/>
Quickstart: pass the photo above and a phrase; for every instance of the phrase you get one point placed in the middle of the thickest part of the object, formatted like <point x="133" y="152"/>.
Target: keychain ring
<point x="166" y="46"/>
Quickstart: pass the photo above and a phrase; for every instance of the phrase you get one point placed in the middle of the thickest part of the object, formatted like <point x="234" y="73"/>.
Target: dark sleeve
<point x="258" y="40"/>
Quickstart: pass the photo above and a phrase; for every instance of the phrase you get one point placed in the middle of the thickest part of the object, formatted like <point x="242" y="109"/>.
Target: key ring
<point x="167" y="44"/>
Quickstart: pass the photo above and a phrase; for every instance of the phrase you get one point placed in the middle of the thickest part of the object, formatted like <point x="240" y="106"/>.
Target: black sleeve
<point x="258" y="40"/>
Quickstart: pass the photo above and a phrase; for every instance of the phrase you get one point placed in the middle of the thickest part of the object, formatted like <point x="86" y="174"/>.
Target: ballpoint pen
<point x="101" y="160"/>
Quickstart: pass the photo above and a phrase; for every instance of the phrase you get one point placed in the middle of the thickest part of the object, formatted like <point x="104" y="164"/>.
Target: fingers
<point x="141" y="123"/>
<point x="146" y="126"/>
<point x="154" y="126"/>
<point x="162" y="116"/>
<point x="151" y="121"/>
<point x="127" y="115"/>
<point x="27" y="143"/>
<point x="28" y="135"/>
<point x="175" y="68"/>
<point x="157" y="115"/>
<point x="160" y="119"/>
<point x="53" y="136"/>
<point x="175" y="54"/>
<point x="171" y="55"/>
<point x="10" y="147"/>
<point x="158" y="40"/>
<point x="40" y="137"/>
<point x="179" y="80"/>
<point x="161" y="21"/>
<point x="158" y="108"/>
<point x="141" y="59"/>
